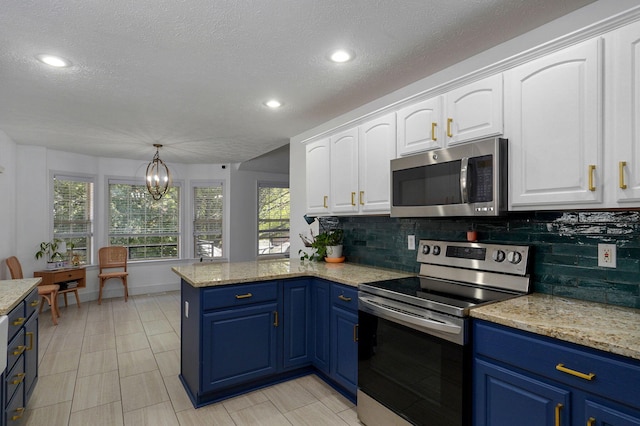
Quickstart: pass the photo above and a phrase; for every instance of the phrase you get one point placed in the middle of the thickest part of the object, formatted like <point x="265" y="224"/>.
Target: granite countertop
<point x="13" y="291"/>
<point x="609" y="328"/>
<point x="208" y="274"/>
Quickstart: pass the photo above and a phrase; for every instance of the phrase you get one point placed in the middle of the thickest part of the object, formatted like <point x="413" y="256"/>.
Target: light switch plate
<point x="411" y="242"/>
<point x="607" y="255"/>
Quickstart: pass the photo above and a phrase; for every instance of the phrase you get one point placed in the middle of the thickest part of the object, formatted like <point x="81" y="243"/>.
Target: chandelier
<point x="157" y="176"/>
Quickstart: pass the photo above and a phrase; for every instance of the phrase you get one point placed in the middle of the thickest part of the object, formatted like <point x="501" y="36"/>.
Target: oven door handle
<point x="391" y="314"/>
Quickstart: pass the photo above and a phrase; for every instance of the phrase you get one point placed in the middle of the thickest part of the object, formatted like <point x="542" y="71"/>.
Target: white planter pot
<point x="334" y="251"/>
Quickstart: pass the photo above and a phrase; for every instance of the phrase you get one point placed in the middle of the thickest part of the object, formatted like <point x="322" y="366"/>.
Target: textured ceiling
<point x="192" y="74"/>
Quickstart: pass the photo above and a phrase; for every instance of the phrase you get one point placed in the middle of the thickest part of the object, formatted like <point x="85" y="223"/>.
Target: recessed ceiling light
<point x="273" y="103"/>
<point x="54" y="61"/>
<point x="342" y="55"/>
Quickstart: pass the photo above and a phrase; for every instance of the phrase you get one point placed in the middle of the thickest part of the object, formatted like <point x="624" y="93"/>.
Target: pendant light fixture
<point x="158" y="176"/>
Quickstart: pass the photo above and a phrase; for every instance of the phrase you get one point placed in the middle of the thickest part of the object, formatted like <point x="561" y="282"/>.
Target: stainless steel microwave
<point x="464" y="180"/>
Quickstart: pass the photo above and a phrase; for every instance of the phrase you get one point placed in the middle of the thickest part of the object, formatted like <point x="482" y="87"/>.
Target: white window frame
<point x="108" y="180"/>
<point x="269" y="184"/>
<point x="225" y="211"/>
<point x="76" y="177"/>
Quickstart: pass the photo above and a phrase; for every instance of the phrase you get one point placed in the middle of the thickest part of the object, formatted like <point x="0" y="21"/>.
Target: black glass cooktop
<point x="442" y="292"/>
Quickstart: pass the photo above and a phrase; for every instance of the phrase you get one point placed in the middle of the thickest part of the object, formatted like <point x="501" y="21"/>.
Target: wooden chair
<point x="113" y="257"/>
<point x="47" y="292"/>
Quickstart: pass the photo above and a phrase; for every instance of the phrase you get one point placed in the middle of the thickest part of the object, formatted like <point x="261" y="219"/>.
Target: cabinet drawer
<point x="14" y="378"/>
<point x="239" y="295"/>
<point x="17" y="319"/>
<point x="15" y="407"/>
<point x="68" y="275"/>
<point x="344" y="296"/>
<point x="15" y="349"/>
<point x="31" y="303"/>
<point x="614" y="377"/>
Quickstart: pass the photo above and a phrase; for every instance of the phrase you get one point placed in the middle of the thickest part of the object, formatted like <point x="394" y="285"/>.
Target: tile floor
<point x="118" y="364"/>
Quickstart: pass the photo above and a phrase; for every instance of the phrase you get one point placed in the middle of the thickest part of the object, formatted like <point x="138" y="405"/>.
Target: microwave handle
<point x="464" y="180"/>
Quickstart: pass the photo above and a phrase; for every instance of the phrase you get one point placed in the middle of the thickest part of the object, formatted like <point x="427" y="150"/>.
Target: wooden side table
<point x="62" y="276"/>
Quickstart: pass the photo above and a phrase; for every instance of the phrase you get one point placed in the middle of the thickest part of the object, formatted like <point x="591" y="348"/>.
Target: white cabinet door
<point x="474" y="111"/>
<point x="419" y="127"/>
<point x="554" y="128"/>
<point x="623" y="115"/>
<point x="318" y="177"/>
<point x="344" y="171"/>
<point x="377" y="147"/>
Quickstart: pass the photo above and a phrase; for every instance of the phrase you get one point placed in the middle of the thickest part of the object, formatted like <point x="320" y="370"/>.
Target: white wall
<point x="8" y="197"/>
<point x="588" y="15"/>
<point x="244" y="207"/>
<point x="25" y="211"/>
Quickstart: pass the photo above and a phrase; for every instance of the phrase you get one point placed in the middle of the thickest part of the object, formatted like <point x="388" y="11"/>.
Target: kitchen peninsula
<point x="250" y="324"/>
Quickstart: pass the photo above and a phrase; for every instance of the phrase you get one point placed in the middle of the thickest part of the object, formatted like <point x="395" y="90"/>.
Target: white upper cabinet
<point x="377" y="148"/>
<point x="348" y="172"/>
<point x="474" y="111"/>
<point x="318" y="177"/>
<point x="554" y="126"/>
<point x="469" y="112"/>
<point x="420" y="127"/>
<point x="623" y="114"/>
<point x="344" y="171"/>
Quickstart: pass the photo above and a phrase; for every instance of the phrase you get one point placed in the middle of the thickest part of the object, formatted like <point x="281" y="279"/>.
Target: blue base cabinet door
<point x="296" y="323"/>
<point x="239" y="345"/>
<point x="344" y="336"/>
<point x="506" y="398"/>
<point x="321" y="325"/>
<point x="597" y="414"/>
<point x="345" y="354"/>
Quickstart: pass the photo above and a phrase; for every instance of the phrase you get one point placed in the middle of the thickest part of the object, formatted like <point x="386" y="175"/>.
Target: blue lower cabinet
<point x="526" y="379"/>
<point x="31" y="356"/>
<point x="296" y="324"/>
<point x="344" y="343"/>
<point x="321" y="325"/>
<point x="344" y="337"/>
<point x="239" y="345"/>
<point x="602" y="414"/>
<point x="506" y="398"/>
<point x="21" y="373"/>
<point x="235" y="338"/>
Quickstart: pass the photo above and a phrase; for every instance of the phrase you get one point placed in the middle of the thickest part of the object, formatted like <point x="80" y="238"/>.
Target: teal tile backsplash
<point x="565" y="245"/>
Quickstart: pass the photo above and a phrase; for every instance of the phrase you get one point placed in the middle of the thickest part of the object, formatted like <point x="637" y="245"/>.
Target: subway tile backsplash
<point x="565" y="261"/>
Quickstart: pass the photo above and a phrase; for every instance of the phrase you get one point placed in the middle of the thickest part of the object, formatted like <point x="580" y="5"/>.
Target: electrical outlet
<point x="186" y="309"/>
<point x="411" y="242"/>
<point x="607" y="255"/>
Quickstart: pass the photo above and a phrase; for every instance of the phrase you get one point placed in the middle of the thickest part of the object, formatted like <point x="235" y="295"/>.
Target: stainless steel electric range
<point x="414" y="353"/>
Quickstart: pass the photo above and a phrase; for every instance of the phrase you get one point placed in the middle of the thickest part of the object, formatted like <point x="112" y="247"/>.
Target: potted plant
<point x="50" y="249"/>
<point x="326" y="244"/>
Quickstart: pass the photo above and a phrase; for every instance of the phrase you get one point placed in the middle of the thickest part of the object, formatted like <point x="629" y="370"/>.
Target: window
<point x="207" y="220"/>
<point x="273" y="218"/>
<point x="73" y="214"/>
<point x="149" y="229"/>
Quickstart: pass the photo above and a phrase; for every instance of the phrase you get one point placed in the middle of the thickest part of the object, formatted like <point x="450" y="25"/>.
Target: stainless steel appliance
<point x="465" y="180"/>
<point x="414" y="354"/>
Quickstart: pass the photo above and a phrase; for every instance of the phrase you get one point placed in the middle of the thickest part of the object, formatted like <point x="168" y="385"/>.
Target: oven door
<point x="422" y="378"/>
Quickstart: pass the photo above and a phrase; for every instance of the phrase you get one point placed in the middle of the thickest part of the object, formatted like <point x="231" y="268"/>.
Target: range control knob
<point x="514" y="257"/>
<point x="499" y="256"/>
<point x="436" y="250"/>
<point x="425" y="249"/>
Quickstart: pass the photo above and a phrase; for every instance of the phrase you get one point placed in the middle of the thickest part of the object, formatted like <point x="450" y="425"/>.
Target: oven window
<point x="433" y="185"/>
<point x="420" y="377"/>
